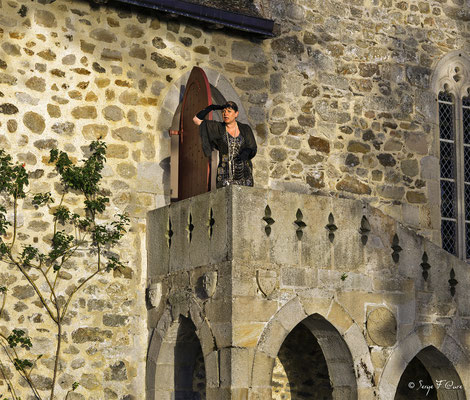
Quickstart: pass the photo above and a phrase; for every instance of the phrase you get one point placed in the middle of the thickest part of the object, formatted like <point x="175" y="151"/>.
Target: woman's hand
<point x="199" y="117"/>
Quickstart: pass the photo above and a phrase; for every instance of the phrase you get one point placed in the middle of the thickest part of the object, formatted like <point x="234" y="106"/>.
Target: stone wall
<point x="278" y="261"/>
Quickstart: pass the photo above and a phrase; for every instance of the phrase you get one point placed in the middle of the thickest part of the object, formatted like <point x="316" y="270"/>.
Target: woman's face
<point x="229" y="115"/>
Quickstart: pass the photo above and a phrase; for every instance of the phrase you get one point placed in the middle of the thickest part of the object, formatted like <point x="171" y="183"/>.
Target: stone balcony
<point x="247" y="265"/>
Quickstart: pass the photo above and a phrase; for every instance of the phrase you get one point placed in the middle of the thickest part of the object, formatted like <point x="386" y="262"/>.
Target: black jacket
<point x="212" y="133"/>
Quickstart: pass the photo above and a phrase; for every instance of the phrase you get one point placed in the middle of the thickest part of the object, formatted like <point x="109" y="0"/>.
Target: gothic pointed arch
<point x="440" y="355"/>
<point x="340" y="340"/>
<point x="169" y="121"/>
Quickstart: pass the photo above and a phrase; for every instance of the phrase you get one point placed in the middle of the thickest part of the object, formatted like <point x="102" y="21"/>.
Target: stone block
<point x="241" y="364"/>
<point x="247" y="335"/>
<point x="339" y="318"/>
<point x="211" y="362"/>
<point x="199" y="236"/>
<point x="272" y="338"/>
<point x="220" y="242"/>
<point x="252" y="309"/>
<point x="250" y="241"/>
<point x="291" y="314"/>
<point x="157" y="242"/>
<point x="298" y="277"/>
<point x="179" y="250"/>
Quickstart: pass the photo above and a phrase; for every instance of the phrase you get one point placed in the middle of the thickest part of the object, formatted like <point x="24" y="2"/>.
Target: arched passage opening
<point x="170" y="120"/>
<point x="314" y="362"/>
<point x="180" y="368"/>
<point x="430" y="375"/>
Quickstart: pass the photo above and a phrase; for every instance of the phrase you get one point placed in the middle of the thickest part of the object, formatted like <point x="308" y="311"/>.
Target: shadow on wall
<point x="300" y="371"/>
<point x="189" y="370"/>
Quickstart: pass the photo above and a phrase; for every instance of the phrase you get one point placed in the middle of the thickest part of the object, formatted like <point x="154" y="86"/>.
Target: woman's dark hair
<point x="232" y="105"/>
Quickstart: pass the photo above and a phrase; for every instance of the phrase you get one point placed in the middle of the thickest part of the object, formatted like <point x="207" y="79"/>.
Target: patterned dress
<point x="231" y="169"/>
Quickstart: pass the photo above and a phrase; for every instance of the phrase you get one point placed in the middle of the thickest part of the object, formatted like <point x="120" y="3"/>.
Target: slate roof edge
<point x="247" y="23"/>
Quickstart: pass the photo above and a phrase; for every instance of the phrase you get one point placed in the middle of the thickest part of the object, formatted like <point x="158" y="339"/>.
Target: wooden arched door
<point x="193" y="165"/>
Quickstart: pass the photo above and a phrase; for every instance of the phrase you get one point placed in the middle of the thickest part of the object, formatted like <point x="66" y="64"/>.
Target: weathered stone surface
<point x="11" y="49"/>
<point x="128" y="134"/>
<point x="36" y="83"/>
<point x="391" y="192"/>
<point x="249" y="83"/>
<point x="133" y="31"/>
<point x="319" y="144"/>
<point x="353" y="185"/>
<point x="64" y="128"/>
<point x="278" y="154"/>
<point x="103" y="35"/>
<point x="7" y="79"/>
<point x="414" y="197"/>
<point x="115" y="320"/>
<point x="23" y="292"/>
<point x="84" y="112"/>
<point x="126" y="170"/>
<point x="8" y="109"/>
<point x="45" y="18"/>
<point x="351" y="160"/>
<point x="308" y="158"/>
<point x="277" y="128"/>
<point x="289" y="44"/>
<point x="368" y="70"/>
<point x="311" y="91"/>
<point x="94" y="131"/>
<point x="111" y="55"/>
<point x="84" y="335"/>
<point x="306" y="120"/>
<point x="382" y="327"/>
<point x="12" y="125"/>
<point x="46" y="144"/>
<point x="113" y="113"/>
<point x="138" y="52"/>
<point x="244" y="51"/>
<point x="89" y="381"/>
<point x="162" y="61"/>
<point x="409" y="167"/>
<point x="201" y="50"/>
<point x="34" y="122"/>
<point x="117" y="372"/>
<point x="117" y="151"/>
<point x="387" y="160"/>
<point x="48" y="55"/>
<point x="358" y="147"/>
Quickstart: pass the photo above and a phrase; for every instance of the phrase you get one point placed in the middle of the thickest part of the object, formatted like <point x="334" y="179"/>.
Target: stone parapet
<point x="365" y="286"/>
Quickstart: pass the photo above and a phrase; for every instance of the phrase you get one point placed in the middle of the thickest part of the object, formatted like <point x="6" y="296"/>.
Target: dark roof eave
<point x="233" y="20"/>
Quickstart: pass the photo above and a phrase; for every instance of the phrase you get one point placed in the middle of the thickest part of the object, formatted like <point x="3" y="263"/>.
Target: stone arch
<point x="165" y="354"/>
<point x="170" y="110"/>
<point x="339" y="337"/>
<point x="440" y="354"/>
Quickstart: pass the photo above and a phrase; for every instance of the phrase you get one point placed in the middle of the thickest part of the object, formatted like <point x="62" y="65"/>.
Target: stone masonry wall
<point x="350" y="110"/>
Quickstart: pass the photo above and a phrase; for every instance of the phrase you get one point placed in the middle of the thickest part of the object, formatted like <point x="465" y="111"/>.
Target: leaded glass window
<point x="454" y="150"/>
<point x="447" y="172"/>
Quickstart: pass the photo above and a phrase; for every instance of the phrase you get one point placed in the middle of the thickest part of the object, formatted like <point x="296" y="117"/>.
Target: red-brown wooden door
<point x="193" y="170"/>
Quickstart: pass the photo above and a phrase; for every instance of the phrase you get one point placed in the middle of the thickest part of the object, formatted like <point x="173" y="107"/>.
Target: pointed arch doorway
<point x="191" y="170"/>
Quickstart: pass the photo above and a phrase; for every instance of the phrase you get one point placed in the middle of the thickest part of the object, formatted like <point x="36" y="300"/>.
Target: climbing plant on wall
<point x="79" y="233"/>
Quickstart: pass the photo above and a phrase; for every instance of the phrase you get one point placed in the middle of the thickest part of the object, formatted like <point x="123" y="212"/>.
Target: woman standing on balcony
<point x="235" y="142"/>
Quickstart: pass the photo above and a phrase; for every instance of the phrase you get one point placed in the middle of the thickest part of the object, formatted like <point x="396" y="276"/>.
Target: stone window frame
<point x="452" y="75"/>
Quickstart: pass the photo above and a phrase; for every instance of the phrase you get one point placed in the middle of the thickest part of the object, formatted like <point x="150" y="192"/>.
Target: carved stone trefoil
<point x="425" y="266"/>
<point x="331" y="227"/>
<point x="364" y="230"/>
<point x="452" y="282"/>
<point x="268" y="219"/>
<point x="396" y="248"/>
